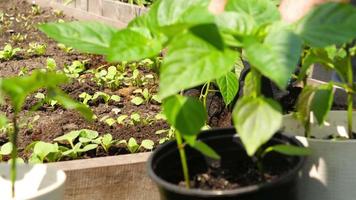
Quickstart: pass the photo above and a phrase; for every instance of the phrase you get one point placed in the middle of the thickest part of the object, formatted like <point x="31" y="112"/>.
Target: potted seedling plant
<point x="24" y="181"/>
<point x="202" y="47"/>
<point x="328" y="173"/>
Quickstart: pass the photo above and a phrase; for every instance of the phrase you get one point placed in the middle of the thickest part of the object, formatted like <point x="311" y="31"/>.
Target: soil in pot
<point x="235" y="176"/>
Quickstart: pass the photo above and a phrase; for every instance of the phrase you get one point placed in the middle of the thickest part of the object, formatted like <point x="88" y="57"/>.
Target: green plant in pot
<point x="202" y="48"/>
<point x="15" y="90"/>
<point x="329" y="133"/>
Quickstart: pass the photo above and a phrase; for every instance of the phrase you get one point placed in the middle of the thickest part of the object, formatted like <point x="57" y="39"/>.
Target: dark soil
<point x="56" y="121"/>
<point x="242" y="173"/>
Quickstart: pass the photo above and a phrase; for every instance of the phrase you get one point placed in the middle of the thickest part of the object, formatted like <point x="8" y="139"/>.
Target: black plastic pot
<point x="164" y="168"/>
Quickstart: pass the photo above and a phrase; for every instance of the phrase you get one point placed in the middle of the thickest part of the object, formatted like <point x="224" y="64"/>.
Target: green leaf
<point x="303" y="104"/>
<point x="89" y="37"/>
<point x="132" y="145"/>
<point x="147" y="144"/>
<point x="252" y="84"/>
<point x="262" y="11"/>
<point x="205" y="149"/>
<point x="42" y="149"/>
<point x="327" y="24"/>
<point x="236" y="23"/>
<point x="277" y="57"/>
<point x="90" y="134"/>
<point x="229" y="86"/>
<point x="121" y="119"/>
<point x="68" y="103"/>
<point x="115" y="98"/>
<point x="130" y="45"/>
<point x="322" y="102"/>
<point x="256" y="119"/>
<point x="137" y="101"/>
<point x="107" y="139"/>
<point x="6" y="149"/>
<point x="88" y="147"/>
<point x="171" y="12"/>
<point x="289" y="150"/>
<point x="192" y="59"/>
<point x="18" y="88"/>
<point x="69" y="137"/>
<point x="186" y="114"/>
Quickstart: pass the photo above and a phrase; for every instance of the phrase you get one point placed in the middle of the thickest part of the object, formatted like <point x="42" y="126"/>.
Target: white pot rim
<point x="61" y="178"/>
<point x="320" y="140"/>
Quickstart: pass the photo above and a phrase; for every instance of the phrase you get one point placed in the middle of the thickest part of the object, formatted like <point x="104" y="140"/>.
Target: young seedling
<point x="8" y="52"/>
<point x="106" y="97"/>
<point x="146" y="97"/>
<point x="46" y="100"/>
<point x="85" y="137"/>
<point x="17" y="38"/>
<point x="134" y="147"/>
<point x="51" y="64"/>
<point x="17" y="89"/>
<point x="75" y="69"/>
<point x="36" y="49"/>
<point x="43" y="152"/>
<point x="107" y="142"/>
<point x="65" y="48"/>
<point x="35" y="9"/>
<point x="121" y="119"/>
<point x="109" y="77"/>
<point x="85" y="97"/>
<point x="135" y="118"/>
<point x="169" y="135"/>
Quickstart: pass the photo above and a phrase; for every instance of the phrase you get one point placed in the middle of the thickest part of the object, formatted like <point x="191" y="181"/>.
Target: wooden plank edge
<point x="79" y="14"/>
<point x="101" y="162"/>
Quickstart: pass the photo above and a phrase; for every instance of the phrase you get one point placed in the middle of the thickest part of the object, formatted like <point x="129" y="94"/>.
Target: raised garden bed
<point x="116" y="13"/>
<point x="117" y="177"/>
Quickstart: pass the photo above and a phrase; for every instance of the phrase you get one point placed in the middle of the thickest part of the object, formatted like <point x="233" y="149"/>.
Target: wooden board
<point x="118" y="177"/>
<point x="79" y="14"/>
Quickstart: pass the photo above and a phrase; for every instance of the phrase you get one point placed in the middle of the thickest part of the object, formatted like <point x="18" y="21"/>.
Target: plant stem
<point x="307" y="127"/>
<point x="183" y="159"/>
<point x="349" y="113"/>
<point x="13" y="140"/>
<point x="349" y="97"/>
<point x="205" y="96"/>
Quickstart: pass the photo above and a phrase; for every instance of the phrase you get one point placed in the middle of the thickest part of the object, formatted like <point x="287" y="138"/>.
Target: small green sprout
<point x="17" y="38"/>
<point x="37" y="49"/>
<point x="121" y="119"/>
<point x="51" y="64"/>
<point x="74" y="70"/>
<point x="44" y="152"/>
<point x="85" y="97"/>
<point x="35" y="9"/>
<point x="107" y="141"/>
<point x="134" y="147"/>
<point x="64" y="48"/>
<point x="135" y="118"/>
<point x="8" y="52"/>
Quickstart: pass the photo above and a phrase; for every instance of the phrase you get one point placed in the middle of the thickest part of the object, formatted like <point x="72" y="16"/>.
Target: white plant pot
<point x="330" y="172"/>
<point x="34" y="182"/>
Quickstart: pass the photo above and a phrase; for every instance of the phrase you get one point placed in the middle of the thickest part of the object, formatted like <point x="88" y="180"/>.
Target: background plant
<point x="16" y="89"/>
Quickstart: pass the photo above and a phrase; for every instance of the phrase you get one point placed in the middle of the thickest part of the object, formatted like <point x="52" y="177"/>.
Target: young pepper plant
<point x="17" y="89"/>
<point x="203" y="47"/>
<point x="321" y="41"/>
